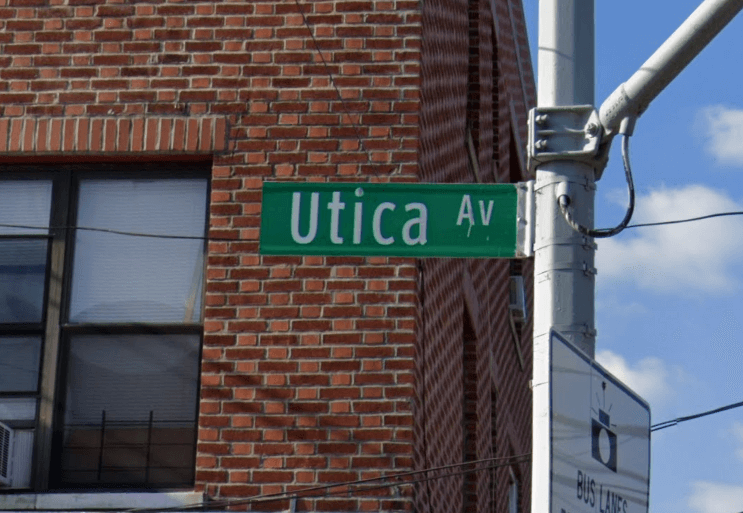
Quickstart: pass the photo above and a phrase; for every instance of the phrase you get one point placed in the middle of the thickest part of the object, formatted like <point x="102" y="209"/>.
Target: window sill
<point x="97" y="501"/>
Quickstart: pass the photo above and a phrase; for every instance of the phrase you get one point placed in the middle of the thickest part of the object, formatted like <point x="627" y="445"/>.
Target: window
<point x="103" y="321"/>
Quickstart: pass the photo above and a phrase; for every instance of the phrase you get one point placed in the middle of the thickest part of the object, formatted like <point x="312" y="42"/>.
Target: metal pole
<point x="564" y="259"/>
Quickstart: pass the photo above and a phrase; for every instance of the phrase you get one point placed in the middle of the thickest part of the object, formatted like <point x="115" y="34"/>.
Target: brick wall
<point x="315" y="370"/>
<point x="308" y="361"/>
<point x="473" y="397"/>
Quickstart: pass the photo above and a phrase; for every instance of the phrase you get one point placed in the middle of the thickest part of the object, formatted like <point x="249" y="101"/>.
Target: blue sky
<point x="669" y="300"/>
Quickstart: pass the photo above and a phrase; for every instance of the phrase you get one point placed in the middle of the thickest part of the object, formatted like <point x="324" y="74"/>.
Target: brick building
<point x="151" y="357"/>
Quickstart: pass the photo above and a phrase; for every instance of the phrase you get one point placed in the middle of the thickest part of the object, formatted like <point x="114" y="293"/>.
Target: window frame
<point x="55" y="330"/>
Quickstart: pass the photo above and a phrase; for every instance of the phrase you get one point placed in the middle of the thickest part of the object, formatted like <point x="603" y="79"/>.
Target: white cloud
<point x="718" y="497"/>
<point x="723" y="128"/>
<point x="709" y="497"/>
<point x="648" y="377"/>
<point x="680" y="258"/>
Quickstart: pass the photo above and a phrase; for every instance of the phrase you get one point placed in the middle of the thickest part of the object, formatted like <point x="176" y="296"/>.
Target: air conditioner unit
<point x="6" y="455"/>
<point x="517" y="299"/>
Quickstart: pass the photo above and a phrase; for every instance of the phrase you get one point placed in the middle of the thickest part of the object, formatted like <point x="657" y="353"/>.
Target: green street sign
<point x="397" y="219"/>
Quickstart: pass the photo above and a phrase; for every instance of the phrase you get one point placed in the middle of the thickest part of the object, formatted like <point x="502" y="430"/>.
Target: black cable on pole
<point x="564" y="202"/>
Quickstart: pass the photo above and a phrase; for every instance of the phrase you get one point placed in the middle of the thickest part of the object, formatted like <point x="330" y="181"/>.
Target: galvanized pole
<point x="564" y="259"/>
<point x="564" y="146"/>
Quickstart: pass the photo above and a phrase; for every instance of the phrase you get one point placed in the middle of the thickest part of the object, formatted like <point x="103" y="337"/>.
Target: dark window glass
<point x="22" y="277"/>
<point x="19" y="364"/>
<point x="131" y="410"/>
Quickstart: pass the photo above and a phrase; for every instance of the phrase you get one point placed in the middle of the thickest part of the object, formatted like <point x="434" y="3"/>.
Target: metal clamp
<point x="564" y="133"/>
<point x="582" y="267"/>
<point x="589" y="271"/>
<point x="583" y="329"/>
<point x="589" y="244"/>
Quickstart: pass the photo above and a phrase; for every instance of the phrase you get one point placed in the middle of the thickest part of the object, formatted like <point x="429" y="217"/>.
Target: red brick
<point x="267" y="476"/>
<point x="22" y="49"/>
<point x="29" y="135"/>
<point x="122" y="144"/>
<point x="112" y="35"/>
<point x="82" y="23"/>
<point x="211" y="475"/>
<point x="232" y="490"/>
<point x="137" y="140"/>
<point x="242" y="435"/>
<point x="114" y="10"/>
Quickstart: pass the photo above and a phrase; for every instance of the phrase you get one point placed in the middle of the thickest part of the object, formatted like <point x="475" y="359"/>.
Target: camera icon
<point x="603" y="441"/>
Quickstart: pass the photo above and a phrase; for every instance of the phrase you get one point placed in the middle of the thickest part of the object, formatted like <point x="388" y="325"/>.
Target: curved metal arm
<point x="632" y="97"/>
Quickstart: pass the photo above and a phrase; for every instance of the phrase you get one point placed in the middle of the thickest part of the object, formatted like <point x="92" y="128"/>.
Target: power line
<point x="233" y="239"/>
<point x="325" y="490"/>
<point x="107" y="230"/>
<point x="689" y="220"/>
<point x="670" y="423"/>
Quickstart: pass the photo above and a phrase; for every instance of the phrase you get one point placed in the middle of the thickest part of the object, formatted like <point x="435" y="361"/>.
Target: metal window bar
<point x="149" y="451"/>
<point x="102" y="444"/>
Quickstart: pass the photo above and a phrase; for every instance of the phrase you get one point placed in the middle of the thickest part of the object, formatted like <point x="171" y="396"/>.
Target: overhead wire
<point x="689" y="220"/>
<point x="678" y="420"/>
<point x="564" y="203"/>
<point x="298" y="494"/>
<point x="103" y="230"/>
<point x="233" y="239"/>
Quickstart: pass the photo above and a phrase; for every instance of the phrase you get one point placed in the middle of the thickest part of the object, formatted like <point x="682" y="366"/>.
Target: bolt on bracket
<point x="565" y="133"/>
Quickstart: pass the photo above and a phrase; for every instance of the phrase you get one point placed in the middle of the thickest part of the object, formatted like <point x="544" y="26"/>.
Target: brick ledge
<point x="96" y="135"/>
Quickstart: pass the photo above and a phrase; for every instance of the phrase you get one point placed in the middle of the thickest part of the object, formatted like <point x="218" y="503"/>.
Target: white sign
<point x="600" y="437"/>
